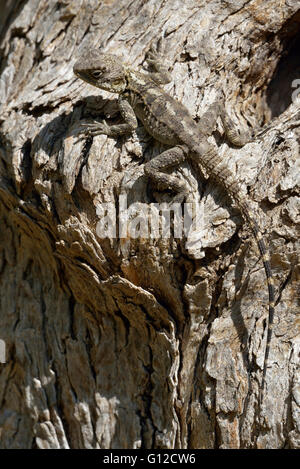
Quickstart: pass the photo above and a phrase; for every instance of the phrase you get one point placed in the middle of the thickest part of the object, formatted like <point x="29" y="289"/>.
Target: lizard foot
<point x="179" y="198"/>
<point x="156" y="51"/>
<point x="88" y="128"/>
<point x="93" y="128"/>
<point x="156" y="60"/>
<point x="182" y="191"/>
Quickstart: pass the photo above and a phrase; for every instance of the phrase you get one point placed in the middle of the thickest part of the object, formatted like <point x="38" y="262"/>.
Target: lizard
<point x="141" y="96"/>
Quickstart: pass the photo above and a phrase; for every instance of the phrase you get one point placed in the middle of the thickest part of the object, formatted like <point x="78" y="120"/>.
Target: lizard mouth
<point x="80" y="75"/>
<point x="85" y="78"/>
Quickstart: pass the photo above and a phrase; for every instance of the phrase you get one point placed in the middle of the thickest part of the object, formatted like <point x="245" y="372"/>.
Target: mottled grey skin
<point x="169" y="122"/>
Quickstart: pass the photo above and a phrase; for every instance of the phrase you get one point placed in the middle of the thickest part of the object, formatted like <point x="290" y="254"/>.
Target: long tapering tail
<point x="266" y="261"/>
<point x="211" y="161"/>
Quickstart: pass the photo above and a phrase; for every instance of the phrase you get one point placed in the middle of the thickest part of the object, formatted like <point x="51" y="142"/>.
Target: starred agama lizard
<point x="141" y="96"/>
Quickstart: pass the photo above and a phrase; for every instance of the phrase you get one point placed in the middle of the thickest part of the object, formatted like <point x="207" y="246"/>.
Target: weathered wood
<point x="154" y="343"/>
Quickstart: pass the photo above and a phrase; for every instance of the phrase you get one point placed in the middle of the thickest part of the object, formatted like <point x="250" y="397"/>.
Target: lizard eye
<point x="97" y="73"/>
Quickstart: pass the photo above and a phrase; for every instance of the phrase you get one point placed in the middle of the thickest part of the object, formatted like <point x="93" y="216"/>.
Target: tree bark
<point x="146" y="343"/>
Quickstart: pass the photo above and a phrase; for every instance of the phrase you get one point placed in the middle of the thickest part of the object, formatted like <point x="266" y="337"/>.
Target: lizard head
<point x="105" y="71"/>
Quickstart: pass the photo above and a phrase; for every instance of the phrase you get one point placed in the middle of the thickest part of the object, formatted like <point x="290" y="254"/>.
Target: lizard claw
<point x="179" y="198"/>
<point x="93" y="128"/>
<point x="152" y="57"/>
<point x="156" y="60"/>
<point x="156" y="50"/>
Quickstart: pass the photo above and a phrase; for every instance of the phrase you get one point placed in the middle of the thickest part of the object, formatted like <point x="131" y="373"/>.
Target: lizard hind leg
<point x="236" y="135"/>
<point x="155" y="168"/>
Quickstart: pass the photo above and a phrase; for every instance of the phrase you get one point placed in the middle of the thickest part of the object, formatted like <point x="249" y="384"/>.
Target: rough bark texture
<point x="152" y="343"/>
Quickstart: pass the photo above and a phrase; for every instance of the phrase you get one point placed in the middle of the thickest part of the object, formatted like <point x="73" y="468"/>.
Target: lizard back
<point x="166" y="119"/>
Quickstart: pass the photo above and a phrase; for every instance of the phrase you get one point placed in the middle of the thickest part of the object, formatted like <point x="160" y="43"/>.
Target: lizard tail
<point x="216" y="168"/>
<point x="250" y="218"/>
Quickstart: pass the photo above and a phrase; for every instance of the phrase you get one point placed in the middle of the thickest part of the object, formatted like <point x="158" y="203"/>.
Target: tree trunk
<point x="143" y="342"/>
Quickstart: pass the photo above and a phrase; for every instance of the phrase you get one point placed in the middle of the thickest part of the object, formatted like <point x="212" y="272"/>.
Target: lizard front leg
<point x="166" y="160"/>
<point x="237" y="136"/>
<point x="208" y="120"/>
<point x="155" y="59"/>
<point x="97" y="128"/>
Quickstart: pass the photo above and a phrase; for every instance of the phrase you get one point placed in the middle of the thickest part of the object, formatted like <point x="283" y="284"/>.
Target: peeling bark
<point x="152" y="343"/>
